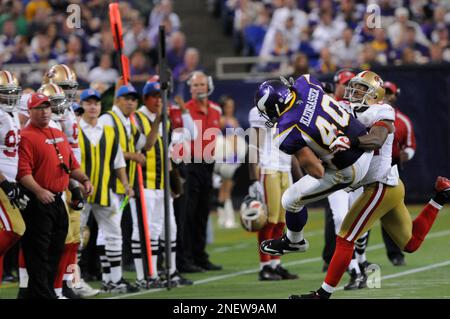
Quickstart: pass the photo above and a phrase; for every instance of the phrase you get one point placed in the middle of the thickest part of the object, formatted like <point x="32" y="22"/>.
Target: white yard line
<point x="245" y="245"/>
<point x="299" y="262"/>
<point x="409" y="272"/>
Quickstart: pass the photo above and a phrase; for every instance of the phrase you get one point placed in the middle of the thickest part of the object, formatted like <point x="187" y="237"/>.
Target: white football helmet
<point x="374" y="92"/>
<point x="10" y="91"/>
<point x="253" y="214"/>
<point x="57" y="98"/>
<point x="65" y="78"/>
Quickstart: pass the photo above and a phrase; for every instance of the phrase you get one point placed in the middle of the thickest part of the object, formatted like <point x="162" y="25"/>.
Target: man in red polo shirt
<point x="46" y="161"/>
<point x="404" y="146"/>
<point x="206" y="116"/>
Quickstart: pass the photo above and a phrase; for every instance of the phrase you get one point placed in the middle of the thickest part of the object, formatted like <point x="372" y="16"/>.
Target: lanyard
<point x="58" y="153"/>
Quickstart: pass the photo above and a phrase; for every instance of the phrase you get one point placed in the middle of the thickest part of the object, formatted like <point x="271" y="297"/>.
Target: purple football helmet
<point x="271" y="99"/>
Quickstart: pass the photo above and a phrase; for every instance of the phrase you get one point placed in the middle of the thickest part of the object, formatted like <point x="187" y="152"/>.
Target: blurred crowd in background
<point x="316" y="36"/>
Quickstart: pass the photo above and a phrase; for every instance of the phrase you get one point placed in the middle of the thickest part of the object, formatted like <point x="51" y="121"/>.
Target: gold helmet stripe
<point x="67" y="70"/>
<point x="9" y="76"/>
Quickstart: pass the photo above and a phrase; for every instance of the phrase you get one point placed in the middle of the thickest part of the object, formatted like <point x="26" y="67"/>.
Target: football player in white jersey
<point x="341" y="201"/>
<point x="268" y="186"/>
<point x="12" y="198"/>
<point x="383" y="196"/>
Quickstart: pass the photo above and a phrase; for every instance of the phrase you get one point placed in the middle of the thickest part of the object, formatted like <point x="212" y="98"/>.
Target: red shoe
<point x="442" y="184"/>
<point x="442" y="188"/>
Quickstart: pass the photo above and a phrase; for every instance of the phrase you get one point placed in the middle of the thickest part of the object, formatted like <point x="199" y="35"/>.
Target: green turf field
<point x="426" y="275"/>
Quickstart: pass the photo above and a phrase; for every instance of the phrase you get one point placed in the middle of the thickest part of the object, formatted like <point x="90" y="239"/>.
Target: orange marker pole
<point x="116" y="29"/>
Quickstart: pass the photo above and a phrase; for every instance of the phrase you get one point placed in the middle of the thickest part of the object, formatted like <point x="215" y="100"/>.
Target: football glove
<point x="341" y="143"/>
<point x="15" y="195"/>
<point x="289" y="83"/>
<point x="256" y="190"/>
<point x="77" y="200"/>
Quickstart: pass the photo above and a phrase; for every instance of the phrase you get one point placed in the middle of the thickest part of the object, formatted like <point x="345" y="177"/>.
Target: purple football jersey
<point x="313" y="120"/>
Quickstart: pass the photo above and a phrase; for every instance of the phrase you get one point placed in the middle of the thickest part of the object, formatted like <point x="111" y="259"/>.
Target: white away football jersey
<point x="9" y="141"/>
<point x="271" y="157"/>
<point x="380" y="167"/>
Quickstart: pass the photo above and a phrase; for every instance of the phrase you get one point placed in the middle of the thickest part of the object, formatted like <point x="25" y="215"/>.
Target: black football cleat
<point x="267" y="273"/>
<point x="68" y="292"/>
<point x="363" y="266"/>
<point x="357" y="281"/>
<point x="311" y="295"/>
<point x="176" y="279"/>
<point x="122" y="286"/>
<point x="284" y="273"/>
<point x="210" y="266"/>
<point x="281" y="246"/>
<point x="442" y="188"/>
<point x="398" y="261"/>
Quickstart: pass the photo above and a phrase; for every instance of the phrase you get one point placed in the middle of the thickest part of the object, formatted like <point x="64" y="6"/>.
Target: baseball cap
<point x="86" y="94"/>
<point x="342" y="77"/>
<point x="151" y="87"/>
<point x="127" y="90"/>
<point x="37" y="99"/>
<point x="391" y="87"/>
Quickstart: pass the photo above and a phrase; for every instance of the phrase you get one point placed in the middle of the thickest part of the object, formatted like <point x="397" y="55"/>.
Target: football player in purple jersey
<point x="311" y="126"/>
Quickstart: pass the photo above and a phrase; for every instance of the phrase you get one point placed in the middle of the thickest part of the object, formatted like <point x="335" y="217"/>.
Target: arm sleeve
<point x="140" y="140"/>
<point x="189" y="124"/>
<point x="385" y="113"/>
<point x="25" y="158"/>
<point x="74" y="164"/>
<point x="77" y="153"/>
<point x="119" y="160"/>
<point x="106" y="119"/>
<point x="410" y="136"/>
<point x="408" y="141"/>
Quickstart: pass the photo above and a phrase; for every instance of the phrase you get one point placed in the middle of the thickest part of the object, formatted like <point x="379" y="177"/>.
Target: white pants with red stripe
<point x="309" y="189"/>
<point x="340" y="203"/>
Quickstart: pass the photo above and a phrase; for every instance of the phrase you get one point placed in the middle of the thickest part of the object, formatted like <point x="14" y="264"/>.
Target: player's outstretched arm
<point x="310" y="162"/>
<point x="376" y="137"/>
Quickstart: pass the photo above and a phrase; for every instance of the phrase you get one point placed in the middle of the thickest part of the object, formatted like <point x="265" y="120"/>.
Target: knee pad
<point x="291" y="201"/>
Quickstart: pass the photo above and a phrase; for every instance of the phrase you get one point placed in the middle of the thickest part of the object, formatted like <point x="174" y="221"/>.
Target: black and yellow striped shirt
<point x="98" y="163"/>
<point x="153" y="172"/>
<point x="128" y="145"/>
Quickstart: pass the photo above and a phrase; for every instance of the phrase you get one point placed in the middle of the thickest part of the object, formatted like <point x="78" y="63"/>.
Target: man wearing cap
<point x="403" y="150"/>
<point x="46" y="162"/>
<point x="103" y="161"/>
<point x="404" y="146"/>
<point x="148" y="119"/>
<point x="131" y="141"/>
<point x="341" y="79"/>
